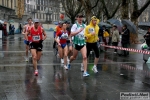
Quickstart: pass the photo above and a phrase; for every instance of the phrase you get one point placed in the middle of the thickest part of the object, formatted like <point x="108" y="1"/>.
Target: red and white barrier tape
<point x="127" y="49"/>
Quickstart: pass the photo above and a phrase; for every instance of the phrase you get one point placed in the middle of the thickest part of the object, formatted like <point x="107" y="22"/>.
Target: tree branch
<point x="95" y="4"/>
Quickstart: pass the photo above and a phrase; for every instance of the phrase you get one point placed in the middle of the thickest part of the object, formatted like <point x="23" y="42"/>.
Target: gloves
<point x="27" y="42"/>
<point x="41" y="41"/>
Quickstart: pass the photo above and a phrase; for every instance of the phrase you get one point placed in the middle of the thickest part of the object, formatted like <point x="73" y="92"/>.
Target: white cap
<point x="36" y="20"/>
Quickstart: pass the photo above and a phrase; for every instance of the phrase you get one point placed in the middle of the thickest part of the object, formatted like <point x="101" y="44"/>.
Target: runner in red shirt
<point x="61" y="39"/>
<point x="25" y="29"/>
<point x="35" y="44"/>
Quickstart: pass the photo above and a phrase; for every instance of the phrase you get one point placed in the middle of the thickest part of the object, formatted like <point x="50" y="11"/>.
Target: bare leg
<point x="34" y="58"/>
<point x="27" y="48"/>
<point x="83" y="52"/>
<point x="75" y="53"/>
<point x="65" y="51"/>
<point x="39" y="54"/>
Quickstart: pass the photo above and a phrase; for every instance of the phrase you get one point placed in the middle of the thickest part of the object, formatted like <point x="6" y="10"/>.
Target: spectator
<point x="5" y="29"/>
<point x="10" y="29"/>
<point x="20" y="28"/>
<point x="115" y="37"/>
<point x="13" y="29"/>
<point x="125" y="39"/>
<point x="147" y="37"/>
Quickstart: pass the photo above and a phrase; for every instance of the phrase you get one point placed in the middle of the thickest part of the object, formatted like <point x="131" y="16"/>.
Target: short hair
<point x="79" y="15"/>
<point x="29" y="19"/>
<point x="125" y="25"/>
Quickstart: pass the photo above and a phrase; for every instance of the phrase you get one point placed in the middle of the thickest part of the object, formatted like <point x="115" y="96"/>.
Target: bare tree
<point x="136" y="11"/>
<point x="89" y="5"/>
<point x="72" y="8"/>
<point x="111" y="8"/>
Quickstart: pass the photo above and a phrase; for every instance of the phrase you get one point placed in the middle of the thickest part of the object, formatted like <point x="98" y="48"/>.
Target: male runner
<point x="77" y="31"/>
<point x="25" y="29"/>
<point x="35" y="44"/>
<point x="91" y="34"/>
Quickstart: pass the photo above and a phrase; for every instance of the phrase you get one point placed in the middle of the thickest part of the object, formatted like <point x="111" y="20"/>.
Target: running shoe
<point x="36" y="73"/>
<point x="26" y="59"/>
<point x="62" y="61"/>
<point x="82" y="68"/>
<point x="85" y="74"/>
<point x="65" y="67"/>
<point x="69" y="66"/>
<point x="68" y="59"/>
<point x="95" y="69"/>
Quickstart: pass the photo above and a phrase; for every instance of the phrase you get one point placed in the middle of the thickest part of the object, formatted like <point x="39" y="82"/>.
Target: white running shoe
<point x="82" y="67"/>
<point x="65" y="67"/>
<point x="95" y="69"/>
<point x="62" y="61"/>
<point x="26" y="59"/>
<point x="68" y="59"/>
<point x="30" y="55"/>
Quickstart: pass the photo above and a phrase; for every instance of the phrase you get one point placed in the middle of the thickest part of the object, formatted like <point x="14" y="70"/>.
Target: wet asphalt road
<point x="116" y="74"/>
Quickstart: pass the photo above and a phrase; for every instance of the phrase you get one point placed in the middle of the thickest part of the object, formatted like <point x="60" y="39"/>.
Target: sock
<point x="94" y="66"/>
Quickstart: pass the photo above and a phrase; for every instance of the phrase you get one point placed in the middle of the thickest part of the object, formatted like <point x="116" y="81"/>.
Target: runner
<point x="77" y="31"/>
<point x="25" y="29"/>
<point x="91" y="34"/>
<point x="69" y="42"/>
<point x="58" y="28"/>
<point x="61" y="39"/>
<point x="35" y="44"/>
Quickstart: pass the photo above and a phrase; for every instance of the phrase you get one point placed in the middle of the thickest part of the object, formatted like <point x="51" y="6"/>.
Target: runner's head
<point x="79" y="18"/>
<point x="36" y="23"/>
<point x="29" y="20"/>
<point x="68" y="23"/>
<point x="64" y="26"/>
<point x="94" y="20"/>
<point x="60" y="23"/>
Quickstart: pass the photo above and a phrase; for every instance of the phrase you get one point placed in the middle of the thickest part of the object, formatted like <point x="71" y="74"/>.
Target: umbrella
<point x="104" y="24"/>
<point x="144" y="25"/>
<point x="11" y="21"/>
<point x="56" y="23"/>
<point x="117" y="23"/>
<point x="130" y="25"/>
<point x="1" y="21"/>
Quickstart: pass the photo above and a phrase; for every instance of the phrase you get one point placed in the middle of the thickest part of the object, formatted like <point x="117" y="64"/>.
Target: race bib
<point x="80" y="36"/>
<point x="36" y="38"/>
<point x="91" y="30"/>
<point x="64" y="36"/>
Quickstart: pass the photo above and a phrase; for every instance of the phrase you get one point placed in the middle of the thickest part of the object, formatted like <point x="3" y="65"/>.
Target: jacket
<point x="115" y="36"/>
<point x="88" y="30"/>
<point x="126" y="37"/>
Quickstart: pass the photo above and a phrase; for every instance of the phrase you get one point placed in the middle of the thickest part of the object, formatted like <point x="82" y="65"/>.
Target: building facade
<point x="8" y="9"/>
<point x="47" y="11"/>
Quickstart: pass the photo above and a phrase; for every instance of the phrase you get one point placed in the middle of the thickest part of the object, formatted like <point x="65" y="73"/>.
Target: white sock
<point x="94" y="66"/>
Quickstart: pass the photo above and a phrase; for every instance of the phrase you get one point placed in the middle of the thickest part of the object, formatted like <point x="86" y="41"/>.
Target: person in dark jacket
<point x="125" y="40"/>
<point x="5" y="29"/>
<point x="147" y="37"/>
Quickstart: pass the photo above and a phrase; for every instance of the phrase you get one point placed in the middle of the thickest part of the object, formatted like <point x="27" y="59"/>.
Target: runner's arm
<point x="26" y="35"/>
<point x="74" y="30"/>
<point x="57" y="38"/>
<point x="44" y="33"/>
<point x="24" y="29"/>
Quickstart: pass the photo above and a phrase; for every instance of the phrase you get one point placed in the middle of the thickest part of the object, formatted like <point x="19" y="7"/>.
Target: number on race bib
<point x="36" y="38"/>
